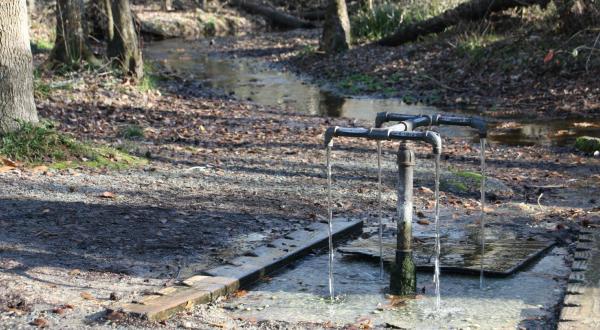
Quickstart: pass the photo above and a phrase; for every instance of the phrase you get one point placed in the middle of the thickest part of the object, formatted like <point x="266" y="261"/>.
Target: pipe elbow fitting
<point x="329" y="134"/>
<point x="380" y="119"/>
<point x="480" y="125"/>
<point x="435" y="140"/>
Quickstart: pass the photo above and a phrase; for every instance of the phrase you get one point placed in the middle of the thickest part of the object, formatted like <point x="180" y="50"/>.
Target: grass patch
<point x="35" y="144"/>
<point x="359" y="82"/>
<point x="132" y="132"/>
<point x="388" y="16"/>
<point x="470" y="175"/>
<point x="587" y="144"/>
<point x="474" y="44"/>
<point x="151" y="80"/>
<point x="41" y="46"/>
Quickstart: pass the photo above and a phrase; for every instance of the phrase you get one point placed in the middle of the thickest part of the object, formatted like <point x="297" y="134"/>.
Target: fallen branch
<point x="468" y="11"/>
<point x="276" y="17"/>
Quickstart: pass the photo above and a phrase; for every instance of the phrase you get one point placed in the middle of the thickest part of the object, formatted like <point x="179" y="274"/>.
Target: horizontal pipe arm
<point x="384" y="134"/>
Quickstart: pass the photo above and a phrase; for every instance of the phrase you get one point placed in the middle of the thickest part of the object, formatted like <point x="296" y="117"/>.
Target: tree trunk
<point x="31" y="6"/>
<point x="167" y="5"/>
<point x="16" y="67"/>
<point x="124" y="45"/>
<point x="336" y="29"/>
<point x="275" y="16"/>
<point x="70" y="46"/>
<point x="468" y="11"/>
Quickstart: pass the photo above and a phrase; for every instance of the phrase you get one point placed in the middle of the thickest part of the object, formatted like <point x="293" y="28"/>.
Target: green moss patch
<point x="587" y="144"/>
<point x="37" y="144"/>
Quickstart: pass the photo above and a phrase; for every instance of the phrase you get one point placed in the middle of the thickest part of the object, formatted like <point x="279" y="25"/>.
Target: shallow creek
<point x="251" y="79"/>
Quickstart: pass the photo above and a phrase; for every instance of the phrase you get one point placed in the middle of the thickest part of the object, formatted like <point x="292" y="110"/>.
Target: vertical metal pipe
<point x="403" y="279"/>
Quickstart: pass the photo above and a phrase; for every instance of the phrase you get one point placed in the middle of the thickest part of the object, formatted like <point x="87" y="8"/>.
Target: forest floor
<point x="224" y="176"/>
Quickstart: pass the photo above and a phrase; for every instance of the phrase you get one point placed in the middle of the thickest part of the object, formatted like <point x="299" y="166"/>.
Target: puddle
<point x="300" y="295"/>
<point x="253" y="80"/>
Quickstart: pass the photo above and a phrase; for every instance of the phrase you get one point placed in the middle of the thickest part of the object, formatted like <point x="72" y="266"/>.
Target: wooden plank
<point x="163" y="307"/>
<point x="283" y="251"/>
<point x="583" y="246"/>
<point x="585" y="238"/>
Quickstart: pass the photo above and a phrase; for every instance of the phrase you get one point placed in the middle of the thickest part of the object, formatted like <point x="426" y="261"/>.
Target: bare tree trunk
<point x="109" y="18"/>
<point x="167" y="5"/>
<point x="468" y="11"/>
<point x="16" y="67"/>
<point x="336" y="29"/>
<point x="31" y="6"/>
<point x="71" y="45"/>
<point x="124" y="44"/>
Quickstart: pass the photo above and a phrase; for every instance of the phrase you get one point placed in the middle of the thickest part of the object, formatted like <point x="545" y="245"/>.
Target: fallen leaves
<point x="86" y="296"/>
<point x="108" y="195"/>
<point x="60" y="310"/>
<point x="40" y="322"/>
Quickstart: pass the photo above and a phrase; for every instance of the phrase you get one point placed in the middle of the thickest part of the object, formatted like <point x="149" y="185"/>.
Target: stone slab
<point x="575" y="288"/>
<point x="583" y="246"/>
<point x="573" y="300"/>
<point x="582" y="255"/>
<point x="579" y="266"/>
<point x="502" y="257"/>
<point x="266" y="259"/>
<point x="576" y="277"/>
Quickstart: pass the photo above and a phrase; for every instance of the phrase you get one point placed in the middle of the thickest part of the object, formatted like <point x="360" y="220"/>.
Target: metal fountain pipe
<point x="433" y="120"/>
<point x="396" y="132"/>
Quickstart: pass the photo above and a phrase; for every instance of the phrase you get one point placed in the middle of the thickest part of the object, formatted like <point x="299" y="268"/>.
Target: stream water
<point x="436" y="273"/>
<point x="330" y="220"/>
<point x="482" y="220"/>
<point x="248" y="78"/>
<point x="380" y="209"/>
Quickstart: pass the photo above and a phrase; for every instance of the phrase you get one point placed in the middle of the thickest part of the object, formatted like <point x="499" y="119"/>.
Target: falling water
<point x="482" y="220"/>
<point x="330" y="220"/>
<point x="436" y="275"/>
<point x="380" y="210"/>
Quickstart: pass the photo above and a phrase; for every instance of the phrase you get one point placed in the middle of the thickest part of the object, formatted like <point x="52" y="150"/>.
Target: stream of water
<point x="436" y="274"/>
<point x="482" y="220"/>
<point x="330" y="220"/>
<point x="380" y="209"/>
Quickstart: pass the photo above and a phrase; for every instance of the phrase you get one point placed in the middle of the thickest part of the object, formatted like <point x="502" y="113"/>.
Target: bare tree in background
<point x="123" y="46"/>
<point x="336" y="28"/>
<point x="71" y="45"/>
<point x="16" y="67"/>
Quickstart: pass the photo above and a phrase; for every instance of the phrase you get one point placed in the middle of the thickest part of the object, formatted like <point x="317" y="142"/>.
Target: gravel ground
<point x="224" y="176"/>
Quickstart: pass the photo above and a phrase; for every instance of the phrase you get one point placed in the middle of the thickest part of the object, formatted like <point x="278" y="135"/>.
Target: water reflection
<point x="249" y="79"/>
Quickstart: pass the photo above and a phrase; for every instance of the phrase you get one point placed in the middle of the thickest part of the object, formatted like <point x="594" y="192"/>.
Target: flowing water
<point x="330" y="220"/>
<point x="482" y="220"/>
<point x="436" y="275"/>
<point x="380" y="210"/>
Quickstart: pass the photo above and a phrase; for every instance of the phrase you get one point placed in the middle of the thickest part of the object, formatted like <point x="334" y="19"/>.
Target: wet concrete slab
<point x="300" y="294"/>
<point x="502" y="256"/>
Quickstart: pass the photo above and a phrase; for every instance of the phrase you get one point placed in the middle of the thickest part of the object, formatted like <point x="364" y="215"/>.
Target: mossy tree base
<point x="587" y="144"/>
<point x="403" y="278"/>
